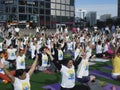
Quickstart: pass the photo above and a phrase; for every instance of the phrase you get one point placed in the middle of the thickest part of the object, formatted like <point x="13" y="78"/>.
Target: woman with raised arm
<point x="21" y="81"/>
<point x="116" y="64"/>
<point x="68" y="74"/>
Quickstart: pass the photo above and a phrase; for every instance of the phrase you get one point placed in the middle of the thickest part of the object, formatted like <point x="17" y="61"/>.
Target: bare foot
<point x="114" y="87"/>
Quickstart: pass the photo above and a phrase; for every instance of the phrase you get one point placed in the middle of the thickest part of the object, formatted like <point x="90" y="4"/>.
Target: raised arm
<point x="57" y="64"/>
<point x="18" y="48"/>
<point x="7" y="72"/>
<point x="26" y="47"/>
<point x="33" y="66"/>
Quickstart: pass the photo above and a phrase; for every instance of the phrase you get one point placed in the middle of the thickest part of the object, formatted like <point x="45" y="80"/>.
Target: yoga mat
<point x="91" y="63"/>
<point x="55" y="86"/>
<point x="108" y="67"/>
<point x="100" y="60"/>
<point x="101" y="74"/>
<point x="109" y="86"/>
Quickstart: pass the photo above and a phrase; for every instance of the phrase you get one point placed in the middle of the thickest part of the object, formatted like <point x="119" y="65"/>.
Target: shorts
<point x="115" y="75"/>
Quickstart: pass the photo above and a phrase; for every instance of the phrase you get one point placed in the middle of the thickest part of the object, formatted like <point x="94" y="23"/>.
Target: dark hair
<point x="118" y="50"/>
<point x="65" y="61"/>
<point x="19" y="72"/>
<point x="42" y="48"/>
<point x="58" y="45"/>
<point x="99" y="42"/>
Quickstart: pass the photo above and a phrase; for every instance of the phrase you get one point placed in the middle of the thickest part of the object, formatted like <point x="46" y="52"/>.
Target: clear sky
<point x="100" y="6"/>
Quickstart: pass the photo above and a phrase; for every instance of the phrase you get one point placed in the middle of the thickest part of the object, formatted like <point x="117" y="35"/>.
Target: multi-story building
<point x="105" y="17"/>
<point x="118" y="8"/>
<point x="91" y="18"/>
<point x="41" y="12"/>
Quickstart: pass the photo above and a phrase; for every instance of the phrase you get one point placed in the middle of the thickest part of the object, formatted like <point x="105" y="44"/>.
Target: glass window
<point x="29" y="10"/>
<point x="72" y="14"/>
<point x="62" y="13"/>
<point x="41" y="20"/>
<point x="42" y="3"/>
<point x="21" y="9"/>
<point x="63" y="1"/>
<point x="22" y="2"/>
<point x="57" y="6"/>
<point x="52" y="0"/>
<point x="14" y="9"/>
<point x="67" y="7"/>
<point x="47" y="0"/>
<point x="67" y="13"/>
<point x="72" y="8"/>
<point x="57" y="1"/>
<point x="35" y="10"/>
<point x="67" y="1"/>
<point x="63" y="7"/>
<point x="36" y="3"/>
<point x="7" y="9"/>
<point x="47" y="5"/>
<point x="72" y="2"/>
<point x="47" y="11"/>
<point x="22" y="17"/>
<point x="58" y="12"/>
<point x="41" y="11"/>
<point x="53" y="5"/>
<point x="52" y="12"/>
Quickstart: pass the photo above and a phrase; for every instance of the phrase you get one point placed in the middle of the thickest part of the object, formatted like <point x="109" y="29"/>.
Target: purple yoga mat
<point x="101" y="74"/>
<point x="55" y="86"/>
<point x="109" y="86"/>
<point x="108" y="67"/>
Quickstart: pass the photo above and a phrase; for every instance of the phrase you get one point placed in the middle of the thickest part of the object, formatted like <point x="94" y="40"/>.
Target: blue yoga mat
<point x="109" y="86"/>
<point x="101" y="74"/>
<point x="108" y="67"/>
<point x="56" y="86"/>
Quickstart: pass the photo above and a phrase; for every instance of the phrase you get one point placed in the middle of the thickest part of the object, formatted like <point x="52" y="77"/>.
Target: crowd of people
<point x="48" y="51"/>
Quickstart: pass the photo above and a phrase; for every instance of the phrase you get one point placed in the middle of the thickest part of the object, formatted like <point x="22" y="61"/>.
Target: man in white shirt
<point x="17" y="31"/>
<point x="11" y="55"/>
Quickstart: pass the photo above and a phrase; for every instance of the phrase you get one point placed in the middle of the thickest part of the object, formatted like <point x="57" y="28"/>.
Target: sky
<point x="100" y="6"/>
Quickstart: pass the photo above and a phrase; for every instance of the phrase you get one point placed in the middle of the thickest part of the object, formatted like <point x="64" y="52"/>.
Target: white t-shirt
<point x="70" y="46"/>
<point x="68" y="77"/>
<point x="17" y="29"/>
<point x="105" y="48"/>
<point x="1" y="48"/>
<point x="98" y="49"/>
<point x="22" y="84"/>
<point x="8" y="42"/>
<point x="60" y="55"/>
<point x="20" y="62"/>
<point x="82" y="39"/>
<point x="11" y="53"/>
<point x="22" y="45"/>
<point x="37" y="29"/>
<point x="88" y="51"/>
<point x="76" y="53"/>
<point x="25" y="40"/>
<point x="3" y="62"/>
<point x="32" y="51"/>
<point x="44" y="60"/>
<point x="66" y="30"/>
<point x="83" y="68"/>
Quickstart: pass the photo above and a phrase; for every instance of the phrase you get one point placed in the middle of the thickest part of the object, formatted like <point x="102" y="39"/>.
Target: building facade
<point x="105" y="17"/>
<point x="38" y="12"/>
<point x="118" y="8"/>
<point x="91" y="18"/>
